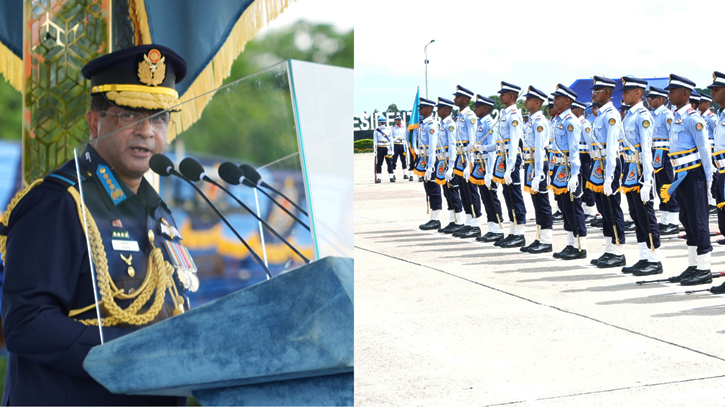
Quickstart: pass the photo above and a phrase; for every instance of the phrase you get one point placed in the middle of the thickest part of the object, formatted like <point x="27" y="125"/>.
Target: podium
<point x="285" y="341"/>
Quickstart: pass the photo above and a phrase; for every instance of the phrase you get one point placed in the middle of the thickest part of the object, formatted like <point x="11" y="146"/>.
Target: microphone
<point x="248" y="181"/>
<point x="163" y="166"/>
<point x="193" y="170"/>
<point x="254" y="177"/>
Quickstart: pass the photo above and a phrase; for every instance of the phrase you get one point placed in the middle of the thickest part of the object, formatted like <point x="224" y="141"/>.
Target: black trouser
<point x="693" y="210"/>
<point x="469" y="196"/>
<point x="453" y="199"/>
<point x="638" y="211"/>
<point x="542" y="210"/>
<point x="573" y="212"/>
<point x="382" y="151"/>
<point x="718" y="192"/>
<point x="585" y="172"/>
<point x="666" y="175"/>
<point x="513" y="196"/>
<point x="491" y="202"/>
<point x="398" y="151"/>
<point x="434" y="195"/>
<point x="614" y="217"/>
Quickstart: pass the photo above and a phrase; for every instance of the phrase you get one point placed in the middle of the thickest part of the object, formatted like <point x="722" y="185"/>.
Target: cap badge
<point x="152" y="70"/>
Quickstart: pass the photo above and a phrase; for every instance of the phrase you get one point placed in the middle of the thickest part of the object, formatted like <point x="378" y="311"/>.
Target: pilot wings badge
<point x="152" y="70"/>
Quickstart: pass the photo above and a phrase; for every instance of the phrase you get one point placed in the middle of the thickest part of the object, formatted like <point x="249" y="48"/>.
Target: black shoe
<point x="453" y="229"/>
<point x="420" y="179"/>
<point x="669" y="229"/>
<point x="636" y="266"/>
<point x="430" y="225"/>
<point x="711" y="209"/>
<point x="718" y="289"/>
<point x="461" y="230"/>
<point x="721" y="241"/>
<point x="392" y="179"/>
<point x="612" y="261"/>
<point x="541" y="248"/>
<point x="574" y="254"/>
<point x="597" y="223"/>
<point x="448" y="227"/>
<point x="602" y="257"/>
<point x="689" y="272"/>
<point x="405" y="176"/>
<point x="567" y="249"/>
<point x="490" y="237"/>
<point x="649" y="269"/>
<point x="505" y="239"/>
<point x="377" y="181"/>
<point x="630" y="226"/>
<point x="515" y="241"/>
<point x="588" y="218"/>
<point x="533" y="244"/>
<point x="558" y="216"/>
<point x="700" y="277"/>
<point x="411" y="178"/>
<point x="473" y="231"/>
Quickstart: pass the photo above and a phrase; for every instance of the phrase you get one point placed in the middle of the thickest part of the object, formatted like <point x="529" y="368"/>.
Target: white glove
<point x="645" y="191"/>
<point x="709" y="191"/>
<point x="507" y="177"/>
<point x="428" y="174"/>
<point x="487" y="179"/>
<point x="449" y="174"/>
<point x="608" y="187"/>
<point x="467" y="172"/>
<point x="572" y="184"/>
<point x="539" y="178"/>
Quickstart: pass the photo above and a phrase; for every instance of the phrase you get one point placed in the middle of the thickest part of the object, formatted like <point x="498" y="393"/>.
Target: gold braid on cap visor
<point x="139" y="96"/>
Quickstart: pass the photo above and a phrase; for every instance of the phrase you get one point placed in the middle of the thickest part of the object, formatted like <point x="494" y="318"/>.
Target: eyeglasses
<point x="594" y="92"/>
<point x="158" y="121"/>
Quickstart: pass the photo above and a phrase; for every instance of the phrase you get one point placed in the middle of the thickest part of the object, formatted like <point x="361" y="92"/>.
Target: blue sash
<point x="559" y="180"/>
<point x="596" y="179"/>
<point x="460" y="164"/>
<point x="420" y="166"/>
<point x="499" y="169"/>
<point x="478" y="173"/>
<point x="658" y="160"/>
<point x="631" y="178"/>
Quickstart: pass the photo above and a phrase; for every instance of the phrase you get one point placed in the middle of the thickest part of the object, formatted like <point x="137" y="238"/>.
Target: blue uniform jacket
<point x="47" y="274"/>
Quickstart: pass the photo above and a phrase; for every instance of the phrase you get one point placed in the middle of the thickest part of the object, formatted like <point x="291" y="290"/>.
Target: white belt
<point x="598" y="153"/>
<point x="662" y="144"/>
<point x="720" y="164"/>
<point x="692" y="157"/>
<point x="629" y="158"/>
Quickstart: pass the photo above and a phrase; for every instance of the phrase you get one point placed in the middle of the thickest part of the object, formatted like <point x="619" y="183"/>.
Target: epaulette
<point x="64" y="176"/>
<point x="690" y="110"/>
<point x="582" y="119"/>
<point x="568" y="116"/>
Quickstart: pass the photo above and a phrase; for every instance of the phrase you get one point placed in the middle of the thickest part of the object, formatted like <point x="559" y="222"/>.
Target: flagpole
<point x="425" y="51"/>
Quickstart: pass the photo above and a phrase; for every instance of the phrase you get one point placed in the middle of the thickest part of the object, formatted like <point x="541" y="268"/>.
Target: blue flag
<point x="414" y="119"/>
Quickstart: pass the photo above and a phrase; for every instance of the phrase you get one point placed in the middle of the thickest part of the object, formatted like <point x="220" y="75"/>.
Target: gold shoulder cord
<point x="158" y="276"/>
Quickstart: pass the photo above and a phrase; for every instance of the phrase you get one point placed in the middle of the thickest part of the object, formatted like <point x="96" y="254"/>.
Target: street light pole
<point x="425" y="51"/>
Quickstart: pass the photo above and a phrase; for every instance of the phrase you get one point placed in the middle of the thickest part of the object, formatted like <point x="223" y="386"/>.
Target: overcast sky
<point x="480" y="43"/>
<point x="315" y="11"/>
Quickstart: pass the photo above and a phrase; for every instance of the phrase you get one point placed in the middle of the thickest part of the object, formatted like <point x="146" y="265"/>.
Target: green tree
<point x="393" y="108"/>
<point x="11" y="112"/>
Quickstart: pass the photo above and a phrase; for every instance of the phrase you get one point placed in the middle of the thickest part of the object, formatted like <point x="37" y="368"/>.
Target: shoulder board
<point x="568" y="116"/>
<point x="63" y="176"/>
<point x="690" y="110"/>
<point x="642" y="110"/>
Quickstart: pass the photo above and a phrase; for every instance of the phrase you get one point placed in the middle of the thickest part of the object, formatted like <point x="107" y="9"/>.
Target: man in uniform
<point x="588" y="203"/>
<point x="553" y="117"/>
<point x="691" y="159"/>
<point x="465" y="136"/>
<point x="604" y="180"/>
<point x="400" y="145"/>
<point x="48" y="301"/>
<point x="661" y="161"/>
<point x="508" y="167"/>
<point x="383" y="142"/>
<point x="703" y="108"/>
<point x="426" y="136"/>
<point x="482" y="173"/>
<point x="694" y="101"/>
<point x="444" y="166"/>
<point x="536" y="170"/>
<point x="565" y="181"/>
<point x="717" y="90"/>
<point x="638" y="180"/>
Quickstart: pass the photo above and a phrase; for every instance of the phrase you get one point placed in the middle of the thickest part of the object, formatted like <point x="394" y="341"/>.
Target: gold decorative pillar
<point x="59" y="37"/>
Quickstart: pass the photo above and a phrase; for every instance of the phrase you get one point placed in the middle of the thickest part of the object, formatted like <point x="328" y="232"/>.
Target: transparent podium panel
<point x="229" y="204"/>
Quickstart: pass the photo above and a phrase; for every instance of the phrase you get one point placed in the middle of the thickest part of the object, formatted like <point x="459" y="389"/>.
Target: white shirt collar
<point x="635" y="107"/>
<point x="681" y="111"/>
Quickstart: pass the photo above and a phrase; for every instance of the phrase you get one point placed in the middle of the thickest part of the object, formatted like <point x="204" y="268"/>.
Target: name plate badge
<point x="125" y="245"/>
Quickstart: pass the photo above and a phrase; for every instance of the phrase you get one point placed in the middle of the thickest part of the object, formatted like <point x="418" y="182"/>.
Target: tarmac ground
<point x="447" y="321"/>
